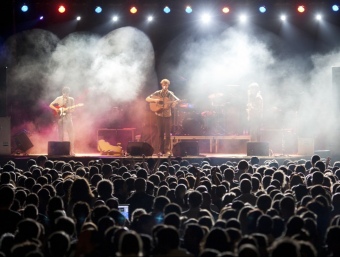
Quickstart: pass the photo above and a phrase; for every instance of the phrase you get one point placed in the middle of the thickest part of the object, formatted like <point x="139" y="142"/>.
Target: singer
<point x="161" y="102"/>
<point x="65" y="123"/>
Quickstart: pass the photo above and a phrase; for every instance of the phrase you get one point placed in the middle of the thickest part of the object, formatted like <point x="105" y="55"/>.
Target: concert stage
<point x="214" y="158"/>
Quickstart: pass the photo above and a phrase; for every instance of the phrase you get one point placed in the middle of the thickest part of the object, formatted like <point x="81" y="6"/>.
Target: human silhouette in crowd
<point x="139" y="198"/>
<point x="67" y="208"/>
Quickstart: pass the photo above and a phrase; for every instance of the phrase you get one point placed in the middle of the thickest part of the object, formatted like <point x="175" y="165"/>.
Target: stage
<point x="214" y="158"/>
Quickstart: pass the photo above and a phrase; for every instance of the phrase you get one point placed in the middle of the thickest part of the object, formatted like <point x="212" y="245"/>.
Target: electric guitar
<point x="162" y="104"/>
<point x="62" y="111"/>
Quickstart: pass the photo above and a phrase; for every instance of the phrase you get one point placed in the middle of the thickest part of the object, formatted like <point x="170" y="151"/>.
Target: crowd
<point x="176" y="208"/>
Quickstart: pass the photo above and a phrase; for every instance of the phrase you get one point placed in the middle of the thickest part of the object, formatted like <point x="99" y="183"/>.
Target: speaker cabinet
<point x="184" y="148"/>
<point x="5" y="135"/>
<point x="3" y="91"/>
<point x="139" y="148"/>
<point x="59" y="148"/>
<point x="22" y="141"/>
<point x="257" y="149"/>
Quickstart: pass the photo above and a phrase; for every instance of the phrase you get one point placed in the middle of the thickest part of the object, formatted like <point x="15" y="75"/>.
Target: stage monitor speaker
<point x="257" y="149"/>
<point x="323" y="153"/>
<point x="59" y="148"/>
<point x="139" y="148"/>
<point x="184" y="148"/>
<point x="22" y="141"/>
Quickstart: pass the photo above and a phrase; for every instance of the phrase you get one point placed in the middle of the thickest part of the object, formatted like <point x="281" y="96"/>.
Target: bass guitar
<point x="163" y="104"/>
<point x="62" y="111"/>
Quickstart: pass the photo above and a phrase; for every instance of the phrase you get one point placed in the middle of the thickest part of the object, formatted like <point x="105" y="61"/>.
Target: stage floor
<point x="214" y="158"/>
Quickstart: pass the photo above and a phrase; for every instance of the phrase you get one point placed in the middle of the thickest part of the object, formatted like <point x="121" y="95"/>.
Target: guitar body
<point x="164" y="104"/>
<point x="62" y="111"/>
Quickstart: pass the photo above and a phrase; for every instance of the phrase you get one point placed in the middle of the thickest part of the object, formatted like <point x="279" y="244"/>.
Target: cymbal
<point x="216" y="95"/>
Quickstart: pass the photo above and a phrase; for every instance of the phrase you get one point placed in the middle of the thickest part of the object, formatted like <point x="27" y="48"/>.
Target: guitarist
<point x="65" y="123"/>
<point x="165" y="100"/>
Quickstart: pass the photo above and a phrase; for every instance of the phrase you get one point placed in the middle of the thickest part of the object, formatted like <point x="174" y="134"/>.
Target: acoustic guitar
<point x="62" y="111"/>
<point x="163" y="104"/>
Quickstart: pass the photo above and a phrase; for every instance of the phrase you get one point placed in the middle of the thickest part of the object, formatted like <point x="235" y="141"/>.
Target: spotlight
<point x="166" y="9"/>
<point x="335" y="8"/>
<point x="98" y="9"/>
<point x="283" y="17"/>
<point x="262" y="9"/>
<point x="150" y="18"/>
<point x="133" y="10"/>
<point x="61" y="9"/>
<point x="115" y="18"/>
<point x="24" y="8"/>
<point x="41" y="18"/>
<point x="243" y="18"/>
<point x="225" y="9"/>
<point x="301" y="8"/>
<point x="78" y="18"/>
<point x="188" y="9"/>
<point x="318" y="17"/>
<point x="206" y="18"/>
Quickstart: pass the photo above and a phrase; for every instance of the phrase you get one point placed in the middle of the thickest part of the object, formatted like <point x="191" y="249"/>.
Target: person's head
<point x="195" y="199"/>
<point x="253" y="88"/>
<point x="58" y="243"/>
<point x="130" y="244"/>
<point x="245" y="186"/>
<point x="165" y="83"/>
<point x="66" y="91"/>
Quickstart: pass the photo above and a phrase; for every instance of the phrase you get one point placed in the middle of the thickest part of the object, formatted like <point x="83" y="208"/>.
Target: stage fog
<point x="112" y="74"/>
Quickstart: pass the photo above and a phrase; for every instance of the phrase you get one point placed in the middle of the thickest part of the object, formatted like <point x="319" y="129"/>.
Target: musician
<point x="65" y="123"/>
<point x="255" y="111"/>
<point x="165" y="100"/>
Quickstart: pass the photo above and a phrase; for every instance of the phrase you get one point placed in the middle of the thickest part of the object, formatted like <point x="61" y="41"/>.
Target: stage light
<point x="115" y="18"/>
<point x="188" y="9"/>
<point x="24" y="8"/>
<point x="133" y="10"/>
<point x="206" y="18"/>
<point x="61" y="9"/>
<point x="262" y="9"/>
<point x="283" y="17"/>
<point x="41" y="18"/>
<point x="225" y="10"/>
<point x="335" y="8"/>
<point x="318" y="17"/>
<point x="150" y="18"/>
<point x="166" y="9"/>
<point x="98" y="9"/>
<point x="243" y="18"/>
<point x="78" y="18"/>
<point x="301" y="8"/>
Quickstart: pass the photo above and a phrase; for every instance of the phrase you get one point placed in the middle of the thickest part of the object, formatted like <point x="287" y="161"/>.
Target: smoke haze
<point x="108" y="73"/>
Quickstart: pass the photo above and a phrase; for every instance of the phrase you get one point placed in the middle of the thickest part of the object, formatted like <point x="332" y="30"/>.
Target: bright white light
<point x="318" y="17"/>
<point x="283" y="17"/>
<point x="115" y="18"/>
<point x="78" y="18"/>
<point x="243" y="18"/>
<point x="150" y="18"/>
<point x="206" y="18"/>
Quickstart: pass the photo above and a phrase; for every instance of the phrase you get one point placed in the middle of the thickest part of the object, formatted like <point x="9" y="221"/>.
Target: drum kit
<point x="189" y="121"/>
